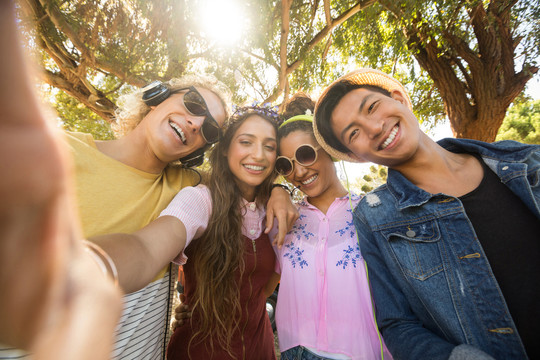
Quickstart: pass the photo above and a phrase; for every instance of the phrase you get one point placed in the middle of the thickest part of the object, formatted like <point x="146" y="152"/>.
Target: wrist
<point x="284" y="187"/>
<point x="102" y="260"/>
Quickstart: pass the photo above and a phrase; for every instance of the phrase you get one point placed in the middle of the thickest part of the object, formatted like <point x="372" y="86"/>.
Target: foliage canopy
<point x="466" y="60"/>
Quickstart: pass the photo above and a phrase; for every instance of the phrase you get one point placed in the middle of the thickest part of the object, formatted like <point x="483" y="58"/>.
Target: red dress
<point x="256" y="340"/>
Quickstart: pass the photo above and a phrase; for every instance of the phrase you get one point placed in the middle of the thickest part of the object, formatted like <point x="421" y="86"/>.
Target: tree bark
<point x="476" y="86"/>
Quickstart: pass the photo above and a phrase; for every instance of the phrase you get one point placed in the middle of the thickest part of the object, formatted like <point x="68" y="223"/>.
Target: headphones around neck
<point x="154" y="94"/>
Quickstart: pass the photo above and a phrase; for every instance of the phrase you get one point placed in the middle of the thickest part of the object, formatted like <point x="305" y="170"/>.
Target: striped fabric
<point x="142" y="332"/>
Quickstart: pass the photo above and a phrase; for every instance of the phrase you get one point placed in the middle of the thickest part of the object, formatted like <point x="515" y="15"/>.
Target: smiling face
<point x="173" y="132"/>
<point x="316" y="179"/>
<point x="376" y="127"/>
<point x="252" y="154"/>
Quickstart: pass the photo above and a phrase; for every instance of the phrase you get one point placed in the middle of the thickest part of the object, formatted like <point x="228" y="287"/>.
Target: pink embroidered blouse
<point x="324" y="302"/>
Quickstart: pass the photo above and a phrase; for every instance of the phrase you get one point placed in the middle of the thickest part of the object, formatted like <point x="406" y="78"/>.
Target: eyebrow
<point x="360" y="109"/>
<point x="254" y="136"/>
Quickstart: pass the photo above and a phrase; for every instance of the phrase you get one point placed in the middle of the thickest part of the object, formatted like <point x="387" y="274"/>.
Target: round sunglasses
<point x="304" y="155"/>
<point x="195" y="105"/>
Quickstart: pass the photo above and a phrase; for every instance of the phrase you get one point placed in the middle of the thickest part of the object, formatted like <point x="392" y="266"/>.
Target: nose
<point x="374" y="127"/>
<point x="258" y="152"/>
<point x="194" y="123"/>
<point x="299" y="171"/>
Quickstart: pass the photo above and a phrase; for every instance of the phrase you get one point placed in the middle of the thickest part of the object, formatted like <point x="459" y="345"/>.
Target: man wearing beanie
<point x="452" y="239"/>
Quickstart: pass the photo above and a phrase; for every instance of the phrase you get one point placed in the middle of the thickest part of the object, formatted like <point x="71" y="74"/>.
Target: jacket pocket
<point x="416" y="247"/>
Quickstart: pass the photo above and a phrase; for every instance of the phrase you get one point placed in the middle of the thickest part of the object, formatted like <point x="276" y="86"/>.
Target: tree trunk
<point x="476" y="84"/>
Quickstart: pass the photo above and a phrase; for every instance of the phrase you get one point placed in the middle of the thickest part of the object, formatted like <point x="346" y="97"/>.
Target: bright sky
<point x="218" y="27"/>
<point x="439" y="132"/>
<point x="224" y="21"/>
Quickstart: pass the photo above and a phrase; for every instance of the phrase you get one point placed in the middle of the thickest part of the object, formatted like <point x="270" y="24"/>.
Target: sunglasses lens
<point x="306" y="155"/>
<point x="283" y="166"/>
<point x="194" y="103"/>
<point x="210" y="131"/>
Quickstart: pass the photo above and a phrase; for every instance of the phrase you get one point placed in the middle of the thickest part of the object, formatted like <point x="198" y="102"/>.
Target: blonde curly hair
<point x="132" y="109"/>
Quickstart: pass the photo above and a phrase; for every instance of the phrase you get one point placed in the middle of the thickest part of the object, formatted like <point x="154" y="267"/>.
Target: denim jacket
<point x="435" y="293"/>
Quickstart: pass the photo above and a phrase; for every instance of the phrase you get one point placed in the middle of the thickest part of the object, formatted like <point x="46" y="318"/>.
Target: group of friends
<point x="438" y="263"/>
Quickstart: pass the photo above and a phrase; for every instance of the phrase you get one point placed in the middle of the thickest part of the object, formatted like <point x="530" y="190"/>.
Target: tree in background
<point x="474" y="55"/>
<point x="522" y="123"/>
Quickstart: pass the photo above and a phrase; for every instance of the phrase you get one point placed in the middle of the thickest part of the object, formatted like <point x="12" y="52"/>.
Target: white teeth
<point x="254" y="167"/>
<point x="310" y="180"/>
<point x="391" y="137"/>
<point x="178" y="131"/>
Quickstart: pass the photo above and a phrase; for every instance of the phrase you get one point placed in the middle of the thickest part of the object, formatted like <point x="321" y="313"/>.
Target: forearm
<point x="53" y="294"/>
<point x="140" y="256"/>
<point x="281" y="207"/>
<point x="129" y="256"/>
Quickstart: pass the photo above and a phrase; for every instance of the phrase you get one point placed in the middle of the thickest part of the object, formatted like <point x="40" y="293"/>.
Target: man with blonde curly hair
<point x="121" y="185"/>
<point x="124" y="184"/>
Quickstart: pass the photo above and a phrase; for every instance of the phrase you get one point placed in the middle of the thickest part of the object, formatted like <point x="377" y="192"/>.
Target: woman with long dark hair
<point x="231" y="259"/>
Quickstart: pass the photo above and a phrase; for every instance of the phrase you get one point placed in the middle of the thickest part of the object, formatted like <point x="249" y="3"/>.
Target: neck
<point x="437" y="170"/>
<point x="324" y="200"/>
<point x="132" y="150"/>
<point x="247" y="192"/>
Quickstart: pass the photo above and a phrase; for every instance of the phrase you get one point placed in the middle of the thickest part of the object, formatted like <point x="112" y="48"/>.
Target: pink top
<point x="193" y="206"/>
<point x="324" y="302"/>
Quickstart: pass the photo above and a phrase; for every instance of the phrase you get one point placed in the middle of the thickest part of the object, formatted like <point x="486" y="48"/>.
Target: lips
<point x="252" y="167"/>
<point x="178" y="131"/>
<point x="391" y="137"/>
<point x="309" y="180"/>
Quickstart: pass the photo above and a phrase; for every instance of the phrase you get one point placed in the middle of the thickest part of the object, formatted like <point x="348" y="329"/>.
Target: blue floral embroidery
<point x="349" y="228"/>
<point x="295" y="255"/>
<point x="299" y="229"/>
<point x="351" y="256"/>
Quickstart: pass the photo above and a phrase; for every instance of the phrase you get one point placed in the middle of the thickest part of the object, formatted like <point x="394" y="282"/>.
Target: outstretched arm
<point x="141" y="255"/>
<point x="55" y="302"/>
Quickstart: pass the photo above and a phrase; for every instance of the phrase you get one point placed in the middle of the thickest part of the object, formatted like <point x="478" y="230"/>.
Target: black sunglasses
<point x="196" y="106"/>
<point x="305" y="155"/>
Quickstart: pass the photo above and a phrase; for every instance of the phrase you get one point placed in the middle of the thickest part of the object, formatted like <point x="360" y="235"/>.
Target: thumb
<point x="269" y="221"/>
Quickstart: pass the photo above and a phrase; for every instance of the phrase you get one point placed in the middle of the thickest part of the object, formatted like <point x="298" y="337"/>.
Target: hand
<point x="181" y="313"/>
<point x="280" y="206"/>
<point x="55" y="302"/>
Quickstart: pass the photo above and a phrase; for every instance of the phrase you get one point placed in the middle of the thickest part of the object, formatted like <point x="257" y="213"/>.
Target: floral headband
<point x="265" y="109"/>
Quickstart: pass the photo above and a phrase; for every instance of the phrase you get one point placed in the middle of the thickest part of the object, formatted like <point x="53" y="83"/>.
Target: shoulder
<point x="484" y="148"/>
<point x="194" y="200"/>
<point x="375" y="204"/>
<point x="182" y="177"/>
<point x="77" y="139"/>
<point x="196" y="192"/>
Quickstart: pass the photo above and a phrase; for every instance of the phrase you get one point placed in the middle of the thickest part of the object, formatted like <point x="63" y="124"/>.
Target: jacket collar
<point x="407" y="194"/>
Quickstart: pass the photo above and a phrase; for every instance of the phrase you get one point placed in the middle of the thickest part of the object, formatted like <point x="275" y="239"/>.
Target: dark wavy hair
<point x="219" y="254"/>
<point x="298" y="104"/>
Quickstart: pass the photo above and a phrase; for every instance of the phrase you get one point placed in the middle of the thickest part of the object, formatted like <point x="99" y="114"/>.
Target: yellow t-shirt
<point x="113" y="197"/>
